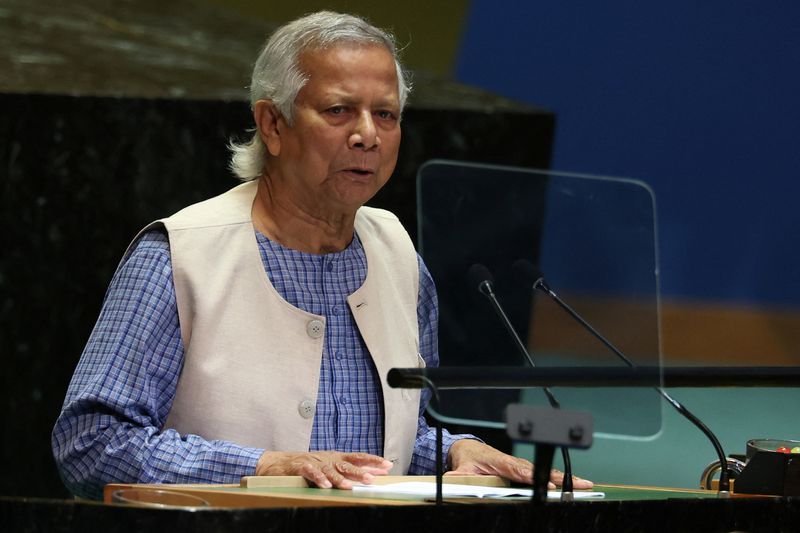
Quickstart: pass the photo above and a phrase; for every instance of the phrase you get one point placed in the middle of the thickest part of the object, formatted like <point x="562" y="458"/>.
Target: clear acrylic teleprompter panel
<point x="593" y="240"/>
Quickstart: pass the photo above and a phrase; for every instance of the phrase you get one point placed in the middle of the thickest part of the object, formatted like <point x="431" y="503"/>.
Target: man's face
<point x="342" y="147"/>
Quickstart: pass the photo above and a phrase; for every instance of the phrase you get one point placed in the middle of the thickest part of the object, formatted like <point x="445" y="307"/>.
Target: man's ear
<point x="269" y="123"/>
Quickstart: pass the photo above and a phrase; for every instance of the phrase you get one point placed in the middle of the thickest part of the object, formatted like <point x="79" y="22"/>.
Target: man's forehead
<point x="343" y="44"/>
<point x="344" y="71"/>
<point x="315" y="56"/>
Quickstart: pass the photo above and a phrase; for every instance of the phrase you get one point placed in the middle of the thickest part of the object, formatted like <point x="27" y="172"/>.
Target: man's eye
<point x="336" y="110"/>
<point x="386" y="115"/>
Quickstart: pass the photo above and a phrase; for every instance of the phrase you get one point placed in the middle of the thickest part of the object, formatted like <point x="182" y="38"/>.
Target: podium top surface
<point x="291" y="491"/>
<point x="625" y="508"/>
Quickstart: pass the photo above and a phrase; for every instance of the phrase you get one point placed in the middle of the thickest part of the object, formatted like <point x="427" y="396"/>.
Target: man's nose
<point x="364" y="135"/>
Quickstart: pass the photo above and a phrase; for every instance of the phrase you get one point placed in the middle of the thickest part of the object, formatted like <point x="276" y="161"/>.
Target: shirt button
<point x="336" y="310"/>
<point x="339" y="356"/>
<point x="330" y="266"/>
<point x="315" y="328"/>
<point x="344" y="399"/>
<point x="306" y="409"/>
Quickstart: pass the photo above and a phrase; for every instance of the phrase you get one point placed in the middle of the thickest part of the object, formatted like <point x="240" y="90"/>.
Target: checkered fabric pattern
<point x="110" y="427"/>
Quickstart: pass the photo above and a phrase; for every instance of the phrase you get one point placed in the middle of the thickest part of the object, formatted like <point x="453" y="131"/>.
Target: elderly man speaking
<point x="252" y="333"/>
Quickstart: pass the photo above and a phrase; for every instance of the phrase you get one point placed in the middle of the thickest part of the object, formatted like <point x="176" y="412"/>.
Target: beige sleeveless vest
<point x="252" y="360"/>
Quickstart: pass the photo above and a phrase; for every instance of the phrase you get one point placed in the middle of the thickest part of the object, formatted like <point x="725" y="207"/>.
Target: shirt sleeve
<point x="423" y="460"/>
<point x="110" y="429"/>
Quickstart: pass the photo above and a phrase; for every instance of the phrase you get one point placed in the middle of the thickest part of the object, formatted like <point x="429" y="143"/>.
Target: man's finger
<point x="580" y="483"/>
<point x="557" y="477"/>
<point x="335" y="478"/>
<point x="522" y="474"/>
<point x="366" y="459"/>
<point x="515" y="469"/>
<point x="315" y="475"/>
<point x="351" y="471"/>
<point x="375" y="471"/>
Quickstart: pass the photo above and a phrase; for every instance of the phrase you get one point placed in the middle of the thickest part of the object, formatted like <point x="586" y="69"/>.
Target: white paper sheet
<point x="450" y="490"/>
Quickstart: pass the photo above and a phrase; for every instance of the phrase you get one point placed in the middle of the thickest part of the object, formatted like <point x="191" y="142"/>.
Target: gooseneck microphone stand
<point x="479" y="275"/>
<point x="724" y="475"/>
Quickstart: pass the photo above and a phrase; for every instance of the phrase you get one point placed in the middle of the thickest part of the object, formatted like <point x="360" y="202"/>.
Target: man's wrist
<point x="457" y="439"/>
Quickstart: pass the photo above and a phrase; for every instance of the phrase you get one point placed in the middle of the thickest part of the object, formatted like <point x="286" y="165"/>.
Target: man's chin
<point x="355" y="194"/>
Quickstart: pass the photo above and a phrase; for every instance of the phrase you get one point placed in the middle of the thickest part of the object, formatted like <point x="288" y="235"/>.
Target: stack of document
<point x="427" y="489"/>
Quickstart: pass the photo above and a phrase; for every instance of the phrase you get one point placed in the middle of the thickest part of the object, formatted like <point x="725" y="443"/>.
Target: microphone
<point x="480" y="277"/>
<point x="527" y="271"/>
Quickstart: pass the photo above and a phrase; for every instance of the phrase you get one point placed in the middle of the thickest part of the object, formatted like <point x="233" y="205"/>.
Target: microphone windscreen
<point x="525" y="272"/>
<point x="477" y="274"/>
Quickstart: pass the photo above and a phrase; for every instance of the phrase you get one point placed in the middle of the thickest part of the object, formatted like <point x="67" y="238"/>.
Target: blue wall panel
<point x="699" y="99"/>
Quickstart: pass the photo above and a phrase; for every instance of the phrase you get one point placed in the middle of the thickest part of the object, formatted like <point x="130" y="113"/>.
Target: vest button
<point x="315" y="329"/>
<point x="306" y="408"/>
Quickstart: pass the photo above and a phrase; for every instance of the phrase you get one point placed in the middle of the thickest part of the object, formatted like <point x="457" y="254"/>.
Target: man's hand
<point x="471" y="457"/>
<point x="324" y="469"/>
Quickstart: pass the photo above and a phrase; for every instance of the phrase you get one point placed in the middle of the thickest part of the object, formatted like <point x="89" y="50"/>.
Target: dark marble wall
<point x="80" y="176"/>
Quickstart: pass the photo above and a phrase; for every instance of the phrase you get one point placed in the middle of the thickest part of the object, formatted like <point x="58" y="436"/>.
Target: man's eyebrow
<point x="341" y="98"/>
<point x="388" y="102"/>
<point x="346" y="99"/>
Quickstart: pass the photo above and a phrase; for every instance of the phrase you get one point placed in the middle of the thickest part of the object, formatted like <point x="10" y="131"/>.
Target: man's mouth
<point x="360" y="171"/>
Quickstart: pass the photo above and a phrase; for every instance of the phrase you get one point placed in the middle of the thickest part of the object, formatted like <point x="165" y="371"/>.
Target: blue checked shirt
<point x="110" y="427"/>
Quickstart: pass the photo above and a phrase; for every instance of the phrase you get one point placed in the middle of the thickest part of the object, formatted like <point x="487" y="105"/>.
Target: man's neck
<point x="297" y="227"/>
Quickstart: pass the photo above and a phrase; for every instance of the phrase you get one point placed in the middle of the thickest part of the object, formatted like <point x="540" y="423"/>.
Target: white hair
<point x="277" y="76"/>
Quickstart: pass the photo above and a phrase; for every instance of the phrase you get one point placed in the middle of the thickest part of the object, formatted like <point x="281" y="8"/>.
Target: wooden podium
<point x="289" y="491"/>
<point x="294" y="491"/>
<point x="288" y="504"/>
